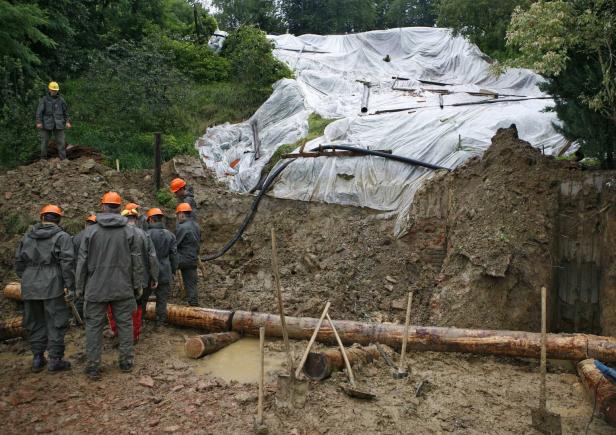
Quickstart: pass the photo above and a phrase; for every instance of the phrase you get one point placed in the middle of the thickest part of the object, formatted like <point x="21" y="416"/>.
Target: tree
<point x="573" y="43"/>
<point x="261" y="13"/>
<point x="483" y="22"/>
<point x="21" y="28"/>
<point x="250" y="54"/>
<point x="404" y="13"/>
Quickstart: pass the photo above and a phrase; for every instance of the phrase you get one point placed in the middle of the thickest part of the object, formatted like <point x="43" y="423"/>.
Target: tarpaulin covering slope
<point x="328" y="72"/>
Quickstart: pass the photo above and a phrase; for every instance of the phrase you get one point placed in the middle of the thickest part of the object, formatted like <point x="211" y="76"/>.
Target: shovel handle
<point x="312" y="340"/>
<point x="542" y="389"/>
<point x="344" y="355"/>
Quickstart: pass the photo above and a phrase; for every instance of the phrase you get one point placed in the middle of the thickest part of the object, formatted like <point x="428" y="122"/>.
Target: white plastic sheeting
<point x="328" y="73"/>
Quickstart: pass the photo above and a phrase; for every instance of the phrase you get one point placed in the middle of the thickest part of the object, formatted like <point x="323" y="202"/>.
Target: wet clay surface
<point x="169" y="393"/>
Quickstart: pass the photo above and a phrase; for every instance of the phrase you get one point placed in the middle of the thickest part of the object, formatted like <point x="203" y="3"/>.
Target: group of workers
<point x="108" y="271"/>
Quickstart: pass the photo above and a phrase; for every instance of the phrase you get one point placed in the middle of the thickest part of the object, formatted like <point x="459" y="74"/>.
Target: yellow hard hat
<point x="53" y="86"/>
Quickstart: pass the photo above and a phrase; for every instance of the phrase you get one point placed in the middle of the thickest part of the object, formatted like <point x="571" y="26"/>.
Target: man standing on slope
<point x="184" y="193"/>
<point x="166" y="252"/>
<point x="51" y="119"/>
<point x="44" y="262"/>
<point x="188" y="238"/>
<point x="109" y="272"/>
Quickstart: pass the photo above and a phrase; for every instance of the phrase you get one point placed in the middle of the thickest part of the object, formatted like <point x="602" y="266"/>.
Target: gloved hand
<point x="138" y="293"/>
<point x="69" y="295"/>
<point x="153" y="284"/>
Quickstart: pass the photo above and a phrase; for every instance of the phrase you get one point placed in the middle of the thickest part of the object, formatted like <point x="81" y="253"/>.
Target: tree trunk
<point x="602" y="391"/>
<point x="574" y="347"/>
<point x="320" y="365"/>
<point x="12" y="328"/>
<point x="200" y="345"/>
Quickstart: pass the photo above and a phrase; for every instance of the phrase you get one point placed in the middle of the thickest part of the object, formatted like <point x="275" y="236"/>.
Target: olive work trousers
<point x="190" y="277"/>
<point x="46" y="321"/>
<point x="59" y="136"/>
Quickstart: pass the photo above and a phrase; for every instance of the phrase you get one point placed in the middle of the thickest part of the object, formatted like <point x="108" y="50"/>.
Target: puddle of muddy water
<point x="240" y="362"/>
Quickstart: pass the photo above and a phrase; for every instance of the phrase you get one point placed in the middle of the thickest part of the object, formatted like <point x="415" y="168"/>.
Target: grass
<point x="165" y="198"/>
<point x="15" y="223"/>
<point x="120" y="137"/>
<point x="316" y="127"/>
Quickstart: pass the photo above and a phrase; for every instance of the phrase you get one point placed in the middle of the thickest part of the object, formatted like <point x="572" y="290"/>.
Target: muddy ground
<point x="327" y="252"/>
<point x="462" y="394"/>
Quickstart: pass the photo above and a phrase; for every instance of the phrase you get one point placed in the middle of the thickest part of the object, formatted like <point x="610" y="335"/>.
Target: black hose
<point x="272" y="176"/>
<point x="380" y="154"/>
<point x="253" y="210"/>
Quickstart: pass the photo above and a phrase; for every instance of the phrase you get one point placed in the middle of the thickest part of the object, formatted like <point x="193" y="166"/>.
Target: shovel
<point x="351" y="390"/>
<point x="543" y="420"/>
<point x="293" y="392"/>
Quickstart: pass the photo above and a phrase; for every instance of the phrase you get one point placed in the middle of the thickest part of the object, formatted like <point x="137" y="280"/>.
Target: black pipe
<point x="395" y="157"/>
<point x="272" y="176"/>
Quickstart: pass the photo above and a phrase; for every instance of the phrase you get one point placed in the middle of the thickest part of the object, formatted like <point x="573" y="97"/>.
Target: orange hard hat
<point x="154" y="212"/>
<point x="111" y="198"/>
<point x="183" y="207"/>
<point x="131" y="206"/>
<point x="176" y="184"/>
<point x="50" y="208"/>
<point x="91" y="218"/>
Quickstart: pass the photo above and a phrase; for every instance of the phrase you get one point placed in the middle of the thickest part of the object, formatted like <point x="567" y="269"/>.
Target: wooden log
<point x="575" y="347"/>
<point x="13" y="291"/>
<point x="201" y="345"/>
<point x="210" y="320"/>
<point x="320" y="365"/>
<point x="601" y="391"/>
<point x="12" y="328"/>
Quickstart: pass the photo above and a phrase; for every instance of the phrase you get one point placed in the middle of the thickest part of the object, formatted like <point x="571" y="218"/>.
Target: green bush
<point x="252" y="61"/>
<point x="198" y="61"/>
<point x="165" y="198"/>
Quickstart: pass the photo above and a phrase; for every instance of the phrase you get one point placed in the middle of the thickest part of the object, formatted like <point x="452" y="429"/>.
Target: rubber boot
<point x="126" y="366"/>
<point x="93" y="373"/>
<point x="38" y="362"/>
<point x="58" y="365"/>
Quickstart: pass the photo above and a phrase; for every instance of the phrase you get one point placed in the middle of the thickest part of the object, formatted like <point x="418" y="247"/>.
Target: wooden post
<point x="118" y="165"/>
<point x="283" y="322"/>
<point x="405" y="337"/>
<point x="342" y="351"/>
<point x="542" y="390"/>
<point x="261" y="374"/>
<point x="157" y="160"/>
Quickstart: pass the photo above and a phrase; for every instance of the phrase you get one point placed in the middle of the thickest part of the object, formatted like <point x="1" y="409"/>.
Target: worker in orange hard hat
<point x="44" y="261"/>
<point x="109" y="272"/>
<point x="141" y="218"/>
<point x="150" y="269"/>
<point x="51" y="120"/>
<point x="188" y="238"/>
<point x="89" y="220"/>
<point x="184" y="193"/>
<point x="166" y="252"/>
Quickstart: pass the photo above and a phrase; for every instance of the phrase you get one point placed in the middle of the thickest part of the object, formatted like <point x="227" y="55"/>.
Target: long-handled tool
<point x="291" y="389"/>
<point x="402" y="372"/>
<point x="73" y="308"/>
<point x="352" y="390"/>
<point x="201" y="267"/>
<point x="543" y="420"/>
<point x="312" y="340"/>
<point x="259" y="425"/>
<point x="178" y="276"/>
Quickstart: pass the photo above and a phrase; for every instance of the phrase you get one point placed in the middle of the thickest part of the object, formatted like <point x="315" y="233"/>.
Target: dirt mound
<point x="496" y="221"/>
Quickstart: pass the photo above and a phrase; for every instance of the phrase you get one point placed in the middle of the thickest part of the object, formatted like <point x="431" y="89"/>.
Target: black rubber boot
<point x="93" y="373"/>
<point x="126" y="366"/>
<point x="58" y="365"/>
<point x="38" y="362"/>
